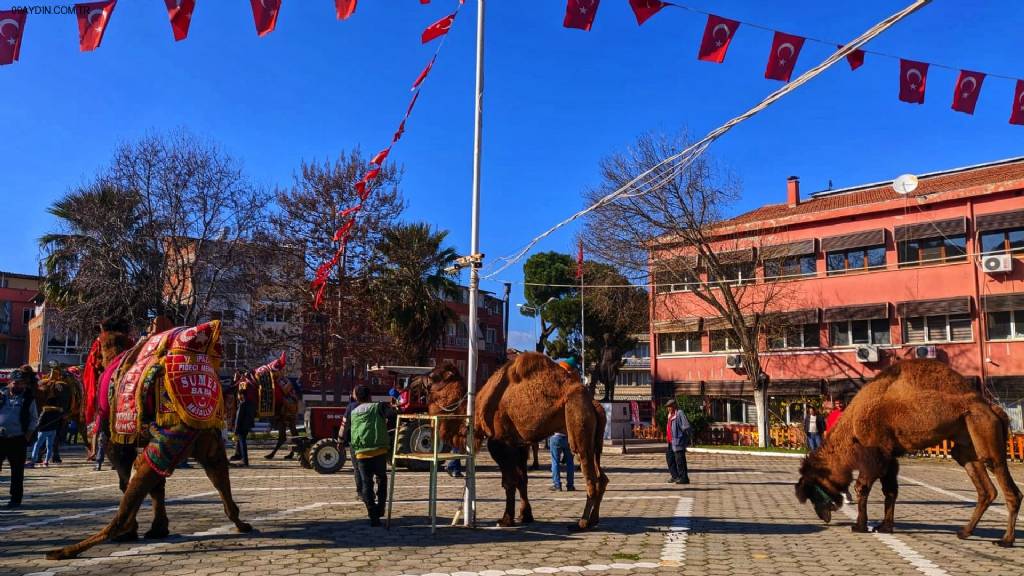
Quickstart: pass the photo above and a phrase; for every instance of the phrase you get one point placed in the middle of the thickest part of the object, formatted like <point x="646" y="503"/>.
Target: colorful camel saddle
<point x="169" y="379"/>
<point x="273" y="389"/>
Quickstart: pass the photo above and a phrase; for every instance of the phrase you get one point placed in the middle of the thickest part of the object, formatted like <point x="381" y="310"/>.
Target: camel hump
<point x="528" y="364"/>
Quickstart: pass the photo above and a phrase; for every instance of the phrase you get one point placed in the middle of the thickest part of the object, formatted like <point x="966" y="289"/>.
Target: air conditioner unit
<point x="867" y="354"/>
<point x="996" y="263"/>
<point x="924" y="352"/>
<point x="734" y="361"/>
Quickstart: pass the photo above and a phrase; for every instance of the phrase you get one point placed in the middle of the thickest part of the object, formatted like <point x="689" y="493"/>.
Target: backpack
<point x="26" y="406"/>
<point x="369" y="430"/>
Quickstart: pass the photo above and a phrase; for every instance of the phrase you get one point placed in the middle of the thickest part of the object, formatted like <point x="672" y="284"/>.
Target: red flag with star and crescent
<point x="913" y="76"/>
<point x="785" y="50"/>
<point x="644" y="9"/>
<point x="93" y="18"/>
<point x="855" y="59"/>
<point x="345" y="8"/>
<point x="718" y="33"/>
<point x="180" y="13"/>
<point x="437" y="29"/>
<point x="264" y="15"/>
<point x="1017" y="113"/>
<point x="967" y="90"/>
<point x="12" y="24"/>
<point x="580" y="14"/>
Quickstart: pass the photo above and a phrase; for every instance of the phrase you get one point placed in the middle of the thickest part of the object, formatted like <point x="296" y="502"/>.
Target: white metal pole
<point x="469" y="504"/>
<point x="583" y="335"/>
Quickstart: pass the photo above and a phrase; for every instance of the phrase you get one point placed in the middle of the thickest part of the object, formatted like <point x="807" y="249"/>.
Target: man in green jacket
<point x="366" y="425"/>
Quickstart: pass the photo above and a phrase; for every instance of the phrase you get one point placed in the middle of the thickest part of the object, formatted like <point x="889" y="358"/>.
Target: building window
<point x="27" y="314"/>
<point x="932" y="251"/>
<point x="855" y="259"/>
<point x="235" y="353"/>
<point x="5" y="317"/>
<point x="945" y="328"/>
<point x="275" y="312"/>
<point x="856" y="332"/>
<point x="723" y="341"/>
<point x="63" y="342"/>
<point x="225" y="316"/>
<point x="732" y="411"/>
<point x="3" y="353"/>
<point x="674" y="281"/>
<point x="801" y="336"/>
<point x="490" y="336"/>
<point x="678" y="342"/>
<point x="1003" y="241"/>
<point x="791" y="267"/>
<point x="1007" y="325"/>
<point x="735" y="274"/>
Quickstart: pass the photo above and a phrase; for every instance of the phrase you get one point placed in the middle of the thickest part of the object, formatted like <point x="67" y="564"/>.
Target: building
<point x="16" y="310"/>
<point x="50" y="340"/>
<point x="865" y="277"/>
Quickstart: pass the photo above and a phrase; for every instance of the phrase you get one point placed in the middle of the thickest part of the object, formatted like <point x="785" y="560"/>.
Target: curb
<point x="746" y="453"/>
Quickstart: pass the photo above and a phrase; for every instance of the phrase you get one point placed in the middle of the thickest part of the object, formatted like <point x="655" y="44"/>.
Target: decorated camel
<point x="525" y="401"/>
<point x="277" y="399"/>
<point x="910" y="406"/>
<point x="164" y="393"/>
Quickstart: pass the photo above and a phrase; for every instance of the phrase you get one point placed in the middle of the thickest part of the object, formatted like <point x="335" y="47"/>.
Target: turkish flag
<point x="644" y="9"/>
<point x="423" y="74"/>
<point x="580" y="14"/>
<point x="782" y="60"/>
<point x="93" y="18"/>
<point x="379" y="158"/>
<point x="437" y="29"/>
<point x="180" y="12"/>
<point x="913" y="76"/>
<point x="855" y="58"/>
<point x="264" y="14"/>
<point x="718" y="33"/>
<point x="968" y="88"/>
<point x="1017" y="113"/>
<point x="345" y="8"/>
<point x="12" y="24"/>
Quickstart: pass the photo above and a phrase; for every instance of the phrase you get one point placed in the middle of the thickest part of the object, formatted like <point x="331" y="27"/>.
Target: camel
<point x="910" y="406"/>
<point x="277" y="399"/>
<point x="167" y="381"/>
<point x="526" y="400"/>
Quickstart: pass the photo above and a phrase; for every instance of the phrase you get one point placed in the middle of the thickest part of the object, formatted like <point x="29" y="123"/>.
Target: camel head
<point x="447" y="395"/>
<point x="815" y="485"/>
<point x="114" y="338"/>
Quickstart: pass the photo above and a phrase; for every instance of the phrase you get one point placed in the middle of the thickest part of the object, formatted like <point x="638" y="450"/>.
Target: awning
<point x="862" y="312"/>
<point x="934" y="229"/>
<point x="792" y="318"/>
<point x="1003" y="302"/>
<point x="855" y="240"/>
<point x="677" y="325"/>
<point x="999" y="221"/>
<point x="677" y="264"/>
<point x="801" y="248"/>
<point x="961" y="305"/>
<point x="795" y="388"/>
<point x="736" y="256"/>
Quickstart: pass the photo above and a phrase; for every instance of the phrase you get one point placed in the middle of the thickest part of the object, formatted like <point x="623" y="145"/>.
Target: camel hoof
<point x="126" y="537"/>
<point x="157" y="533"/>
<point x="580" y="526"/>
<point x="244" y="527"/>
<point x="963" y="534"/>
<point x="269" y="456"/>
<point x="884" y="529"/>
<point x="1004" y="543"/>
<point x="859" y="529"/>
<point x="58" y="554"/>
<point x="506" y="522"/>
<point x="526" y="518"/>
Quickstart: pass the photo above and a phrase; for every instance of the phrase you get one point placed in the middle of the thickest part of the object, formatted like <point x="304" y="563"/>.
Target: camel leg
<point x="525" y="510"/>
<point x="503" y="456"/>
<point x="863" y="487"/>
<point x="581" y="429"/>
<point x="160" y="526"/>
<point x="281" y="437"/>
<point x="1012" y="496"/>
<point x="142" y="483"/>
<point x="209" y="451"/>
<point x="988" y="436"/>
<point x="890" y="489"/>
<point x="295" y="433"/>
<point x="122" y="458"/>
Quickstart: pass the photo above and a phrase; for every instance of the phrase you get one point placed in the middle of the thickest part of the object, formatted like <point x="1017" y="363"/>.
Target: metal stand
<point x="433" y="457"/>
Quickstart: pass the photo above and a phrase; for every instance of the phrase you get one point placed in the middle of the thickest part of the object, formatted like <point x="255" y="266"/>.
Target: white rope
<point x="675" y="164"/>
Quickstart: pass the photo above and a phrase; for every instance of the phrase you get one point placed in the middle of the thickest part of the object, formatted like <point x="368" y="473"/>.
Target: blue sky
<point x="557" y="100"/>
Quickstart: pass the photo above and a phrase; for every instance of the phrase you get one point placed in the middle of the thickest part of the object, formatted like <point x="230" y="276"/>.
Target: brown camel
<point x="910" y="406"/>
<point x="526" y="400"/>
<point x="175" y="429"/>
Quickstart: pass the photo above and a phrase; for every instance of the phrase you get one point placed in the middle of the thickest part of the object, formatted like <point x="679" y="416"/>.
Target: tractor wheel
<point x="304" y="458"/>
<point x="415" y="437"/>
<point x="327" y="456"/>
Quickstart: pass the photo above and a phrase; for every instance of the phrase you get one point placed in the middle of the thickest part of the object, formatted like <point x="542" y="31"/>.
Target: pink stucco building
<point x="868" y="277"/>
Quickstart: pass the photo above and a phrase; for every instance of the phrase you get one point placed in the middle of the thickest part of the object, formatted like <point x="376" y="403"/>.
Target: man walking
<point x="677" y="432"/>
<point x="814" y="426"/>
<point x="346" y="437"/>
<point x="245" y="416"/>
<point x="17" y="420"/>
<point x="559" y="445"/>
<point x="367" y="427"/>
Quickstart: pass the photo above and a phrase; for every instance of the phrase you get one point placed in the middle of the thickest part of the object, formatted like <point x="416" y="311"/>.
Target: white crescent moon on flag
<point x="963" y="85"/>
<point x="914" y="72"/>
<point x="792" y="50"/>
<point x="93" y="12"/>
<point x="714" y="31"/>
<point x="7" y="21"/>
<point x="1021" y="100"/>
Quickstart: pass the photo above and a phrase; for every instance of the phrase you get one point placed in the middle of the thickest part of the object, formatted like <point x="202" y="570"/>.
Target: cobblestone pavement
<point x="738" y="517"/>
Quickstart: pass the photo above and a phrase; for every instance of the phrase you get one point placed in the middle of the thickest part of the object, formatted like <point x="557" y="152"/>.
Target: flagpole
<point x="469" y="501"/>
<point x="583" y="326"/>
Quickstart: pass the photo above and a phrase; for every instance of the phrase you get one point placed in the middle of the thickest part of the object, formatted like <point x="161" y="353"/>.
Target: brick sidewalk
<point x="738" y="517"/>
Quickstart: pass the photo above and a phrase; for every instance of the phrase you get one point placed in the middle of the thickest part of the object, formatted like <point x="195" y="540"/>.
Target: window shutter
<point x="680" y="325"/>
<point x="934" y="307"/>
<point x="800" y="248"/>
<point x="937" y="329"/>
<point x="736" y="256"/>
<point x="856" y="240"/>
<point x="1003" y="302"/>
<point x="863" y="312"/>
<point x="960" y="328"/>
<point x="914" y="328"/>
<point x="999" y="221"/>
<point x="935" y="229"/>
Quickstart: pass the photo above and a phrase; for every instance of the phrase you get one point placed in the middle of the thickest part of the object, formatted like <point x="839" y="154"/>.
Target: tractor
<point x="321" y="449"/>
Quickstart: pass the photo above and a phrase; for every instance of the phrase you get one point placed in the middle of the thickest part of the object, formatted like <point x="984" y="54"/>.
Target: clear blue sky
<point x="557" y="101"/>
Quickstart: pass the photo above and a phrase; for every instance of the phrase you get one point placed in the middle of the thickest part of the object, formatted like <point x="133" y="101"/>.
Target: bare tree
<point x="674" y="236"/>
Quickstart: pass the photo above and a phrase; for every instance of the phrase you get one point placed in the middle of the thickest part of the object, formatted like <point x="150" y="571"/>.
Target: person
<point x="50" y="419"/>
<point x="814" y="426"/>
<point x="346" y="437"/>
<point x="677" y="432"/>
<point x="245" y="416"/>
<point x="830" y="423"/>
<point x="17" y="421"/>
<point x="559" y="445"/>
<point x="100" y="449"/>
<point x="454" y="466"/>
<point x="72" y="437"/>
<point x="367" y="427"/>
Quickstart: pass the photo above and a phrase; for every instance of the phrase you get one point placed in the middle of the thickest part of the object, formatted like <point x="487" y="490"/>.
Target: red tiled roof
<point x="929" y="184"/>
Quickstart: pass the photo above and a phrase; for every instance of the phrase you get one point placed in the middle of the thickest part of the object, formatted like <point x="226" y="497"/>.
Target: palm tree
<point x="412" y="285"/>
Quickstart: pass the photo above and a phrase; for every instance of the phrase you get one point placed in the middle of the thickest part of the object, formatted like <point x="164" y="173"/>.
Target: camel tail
<point x="1005" y="419"/>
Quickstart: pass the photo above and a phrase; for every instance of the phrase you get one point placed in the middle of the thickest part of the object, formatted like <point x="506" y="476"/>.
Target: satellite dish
<point x="905" y="184"/>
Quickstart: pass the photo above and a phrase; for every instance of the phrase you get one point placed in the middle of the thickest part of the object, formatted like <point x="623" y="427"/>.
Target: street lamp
<point x="536" y="311"/>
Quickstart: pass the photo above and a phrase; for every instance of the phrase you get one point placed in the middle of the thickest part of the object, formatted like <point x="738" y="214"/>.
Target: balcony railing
<point x="636" y="362"/>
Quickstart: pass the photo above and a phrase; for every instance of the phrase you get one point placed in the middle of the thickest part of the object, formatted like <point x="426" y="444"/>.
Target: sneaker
<point x="30" y="464"/>
<point x="13" y="504"/>
<point x="235" y="457"/>
<point x="458" y="474"/>
<point x="683" y="481"/>
<point x="570" y="489"/>
<point x="46" y="464"/>
<point x="671" y="480"/>
<point x="555" y="488"/>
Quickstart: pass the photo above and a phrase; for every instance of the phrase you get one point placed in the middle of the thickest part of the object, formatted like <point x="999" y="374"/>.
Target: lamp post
<point x="537" y="311"/>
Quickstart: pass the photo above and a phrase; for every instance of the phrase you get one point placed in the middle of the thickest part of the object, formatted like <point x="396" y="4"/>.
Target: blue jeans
<point x="559" y="445"/>
<point x="813" y="441"/>
<point x="46" y="439"/>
